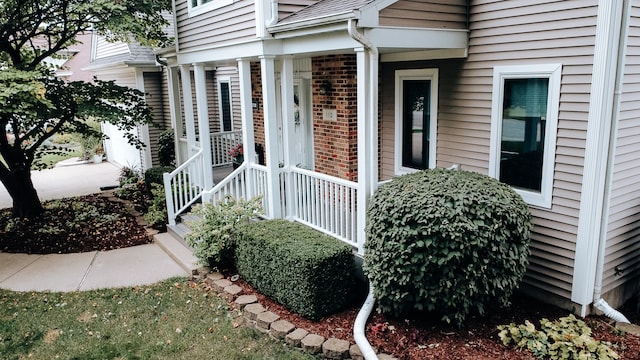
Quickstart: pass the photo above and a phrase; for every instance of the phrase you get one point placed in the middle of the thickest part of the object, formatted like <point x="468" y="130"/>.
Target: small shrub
<point x="166" y="148"/>
<point x="131" y="183"/>
<point x="447" y="242"/>
<point x="308" y="272"/>
<point x="211" y="236"/>
<point x="154" y="175"/>
<point x="156" y="214"/>
<point x="565" y="338"/>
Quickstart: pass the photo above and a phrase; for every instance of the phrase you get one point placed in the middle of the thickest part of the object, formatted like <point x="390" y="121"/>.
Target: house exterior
<point x="343" y="95"/>
<point x="135" y="66"/>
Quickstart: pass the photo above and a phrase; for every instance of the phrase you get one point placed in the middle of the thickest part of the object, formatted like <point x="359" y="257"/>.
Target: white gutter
<point x="361" y="320"/>
<point x="599" y="303"/>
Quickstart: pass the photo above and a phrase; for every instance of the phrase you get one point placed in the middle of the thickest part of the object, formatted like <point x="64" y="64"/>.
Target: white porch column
<point x="246" y="112"/>
<point x="203" y="123"/>
<point x="286" y="90"/>
<point x="367" y="144"/>
<point x="187" y="99"/>
<point x="267" y="65"/>
<point x="174" y="109"/>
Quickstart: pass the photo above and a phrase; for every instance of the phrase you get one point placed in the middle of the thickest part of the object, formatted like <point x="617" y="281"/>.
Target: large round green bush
<point x="445" y="241"/>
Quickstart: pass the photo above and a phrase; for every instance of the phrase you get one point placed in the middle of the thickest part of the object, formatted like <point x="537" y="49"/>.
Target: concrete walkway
<point x="138" y="265"/>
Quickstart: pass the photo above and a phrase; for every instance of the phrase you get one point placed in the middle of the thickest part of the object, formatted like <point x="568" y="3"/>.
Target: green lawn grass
<point x="169" y="320"/>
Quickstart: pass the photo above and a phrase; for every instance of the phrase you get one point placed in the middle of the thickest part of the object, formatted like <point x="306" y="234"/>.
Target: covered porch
<point x="309" y="98"/>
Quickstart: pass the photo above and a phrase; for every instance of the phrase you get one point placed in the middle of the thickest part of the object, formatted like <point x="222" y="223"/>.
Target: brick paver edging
<point x="256" y="316"/>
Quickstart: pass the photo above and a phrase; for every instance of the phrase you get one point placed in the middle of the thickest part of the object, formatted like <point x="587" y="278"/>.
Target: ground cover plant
<point x="174" y="319"/>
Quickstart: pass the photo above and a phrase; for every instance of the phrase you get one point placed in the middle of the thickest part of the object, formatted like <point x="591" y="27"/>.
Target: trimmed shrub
<point x="154" y="175"/>
<point x="445" y="241"/>
<point x="308" y="272"/>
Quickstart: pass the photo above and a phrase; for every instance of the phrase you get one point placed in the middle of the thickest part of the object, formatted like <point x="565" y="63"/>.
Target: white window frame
<point x="201" y="7"/>
<point x="225" y="80"/>
<point x="553" y="72"/>
<point x="415" y="74"/>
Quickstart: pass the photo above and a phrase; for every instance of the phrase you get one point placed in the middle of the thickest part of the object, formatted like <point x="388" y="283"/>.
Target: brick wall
<point x="336" y="141"/>
<point x="256" y="98"/>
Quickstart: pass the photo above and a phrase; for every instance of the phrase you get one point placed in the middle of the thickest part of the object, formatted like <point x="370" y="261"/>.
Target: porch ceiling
<point x="394" y="44"/>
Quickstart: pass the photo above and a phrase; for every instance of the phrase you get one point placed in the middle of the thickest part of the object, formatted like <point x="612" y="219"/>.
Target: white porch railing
<point x="221" y="143"/>
<point x="323" y="202"/>
<point x="247" y="181"/>
<point x="183" y="186"/>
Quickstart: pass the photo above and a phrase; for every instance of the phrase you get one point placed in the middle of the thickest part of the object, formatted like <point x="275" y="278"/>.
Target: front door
<point x="303" y="129"/>
<point x="301" y="147"/>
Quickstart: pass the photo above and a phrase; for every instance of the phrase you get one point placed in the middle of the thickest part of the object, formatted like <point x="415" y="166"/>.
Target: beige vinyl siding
<point x="154" y="98"/>
<point x="517" y="32"/>
<point x="105" y="49"/>
<point x="165" y="99"/>
<point x="440" y="14"/>
<point x="231" y="73"/>
<point x="623" y="236"/>
<point x="525" y="32"/>
<point x="226" y="25"/>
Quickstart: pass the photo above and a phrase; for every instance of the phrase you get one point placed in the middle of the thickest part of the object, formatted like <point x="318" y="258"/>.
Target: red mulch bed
<point x="424" y="338"/>
<point x="72" y="227"/>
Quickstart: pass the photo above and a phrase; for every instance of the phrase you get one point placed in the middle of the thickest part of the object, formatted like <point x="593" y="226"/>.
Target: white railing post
<point x="171" y="211"/>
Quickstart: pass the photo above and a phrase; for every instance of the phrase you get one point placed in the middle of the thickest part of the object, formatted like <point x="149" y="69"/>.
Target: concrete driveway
<point x="69" y="178"/>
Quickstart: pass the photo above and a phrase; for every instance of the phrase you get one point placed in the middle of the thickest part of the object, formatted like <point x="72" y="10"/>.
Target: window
<point x="416" y="119"/>
<point x="224" y="98"/>
<point x="200" y="6"/>
<point x="524" y="119"/>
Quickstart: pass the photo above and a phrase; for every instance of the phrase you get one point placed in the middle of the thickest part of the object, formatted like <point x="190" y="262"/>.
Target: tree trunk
<point x="26" y="203"/>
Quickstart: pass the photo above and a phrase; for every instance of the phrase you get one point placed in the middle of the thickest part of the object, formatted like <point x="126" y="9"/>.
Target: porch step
<point x="179" y="231"/>
<point x="177" y="251"/>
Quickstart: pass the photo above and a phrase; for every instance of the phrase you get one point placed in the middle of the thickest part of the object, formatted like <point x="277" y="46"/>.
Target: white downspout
<point x="599" y="303"/>
<point x="274" y="13"/>
<point x="361" y="319"/>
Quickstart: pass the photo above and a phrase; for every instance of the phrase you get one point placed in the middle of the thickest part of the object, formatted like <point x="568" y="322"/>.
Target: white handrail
<point x="325" y="203"/>
<point x="183" y="186"/>
<point x="247" y="181"/>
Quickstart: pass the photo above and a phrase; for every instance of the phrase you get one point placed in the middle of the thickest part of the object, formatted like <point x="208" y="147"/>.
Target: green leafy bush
<point x="445" y="241"/>
<point x="211" y="236"/>
<point x="308" y="272"/>
<point x="156" y="214"/>
<point x="166" y="148"/>
<point x="565" y="338"/>
<point x="154" y="175"/>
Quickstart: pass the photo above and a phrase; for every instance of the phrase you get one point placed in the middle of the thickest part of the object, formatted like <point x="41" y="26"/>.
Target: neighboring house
<point x="344" y="94"/>
<point x="71" y="61"/>
<point x="134" y="66"/>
